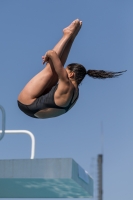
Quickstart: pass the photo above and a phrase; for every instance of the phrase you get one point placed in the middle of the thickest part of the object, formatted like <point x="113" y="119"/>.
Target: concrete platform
<point x="44" y="178"/>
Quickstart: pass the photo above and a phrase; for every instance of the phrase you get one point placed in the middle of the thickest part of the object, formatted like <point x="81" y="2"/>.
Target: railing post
<point x="3" y="122"/>
<point x="24" y="132"/>
<point x="3" y="131"/>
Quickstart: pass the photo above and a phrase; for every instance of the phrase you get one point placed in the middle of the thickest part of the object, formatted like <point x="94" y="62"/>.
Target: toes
<point x="79" y="23"/>
<point x="76" y="21"/>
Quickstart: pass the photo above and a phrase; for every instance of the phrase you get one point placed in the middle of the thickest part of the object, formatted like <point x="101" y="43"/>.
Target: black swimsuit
<point x="44" y="101"/>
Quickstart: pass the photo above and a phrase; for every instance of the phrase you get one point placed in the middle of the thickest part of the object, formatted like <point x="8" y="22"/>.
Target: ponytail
<point x="101" y="74"/>
<point x="80" y="72"/>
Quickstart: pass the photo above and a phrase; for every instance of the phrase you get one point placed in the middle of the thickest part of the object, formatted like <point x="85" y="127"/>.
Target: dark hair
<point x="80" y="72"/>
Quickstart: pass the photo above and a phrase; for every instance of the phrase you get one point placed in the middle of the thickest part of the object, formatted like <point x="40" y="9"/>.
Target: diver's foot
<point x="70" y="30"/>
<point x="77" y="30"/>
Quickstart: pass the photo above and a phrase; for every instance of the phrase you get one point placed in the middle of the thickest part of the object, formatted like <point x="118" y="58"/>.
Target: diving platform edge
<point x="44" y="178"/>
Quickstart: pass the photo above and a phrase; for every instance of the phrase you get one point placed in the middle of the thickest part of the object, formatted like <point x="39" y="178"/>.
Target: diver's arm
<point x="59" y="68"/>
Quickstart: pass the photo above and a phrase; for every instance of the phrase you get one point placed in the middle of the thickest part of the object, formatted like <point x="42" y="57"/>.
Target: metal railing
<point x="3" y="122"/>
<point x="3" y="131"/>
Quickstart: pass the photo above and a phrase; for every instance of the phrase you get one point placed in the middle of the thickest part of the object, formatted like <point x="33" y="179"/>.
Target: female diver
<point x="54" y="90"/>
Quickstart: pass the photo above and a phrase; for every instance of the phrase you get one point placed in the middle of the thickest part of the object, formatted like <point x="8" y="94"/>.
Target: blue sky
<point x="28" y="29"/>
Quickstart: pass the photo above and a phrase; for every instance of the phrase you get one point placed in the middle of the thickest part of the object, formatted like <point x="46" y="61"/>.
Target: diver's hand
<point x="47" y="56"/>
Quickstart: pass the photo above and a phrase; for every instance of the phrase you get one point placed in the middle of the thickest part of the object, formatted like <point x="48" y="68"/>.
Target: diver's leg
<point x="66" y="51"/>
<point x="63" y="52"/>
<point x="47" y="77"/>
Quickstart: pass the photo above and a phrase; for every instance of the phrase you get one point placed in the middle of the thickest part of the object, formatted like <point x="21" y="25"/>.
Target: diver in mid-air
<point x="55" y="90"/>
